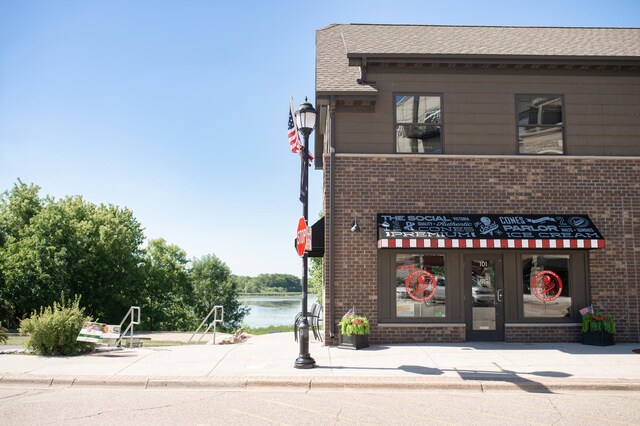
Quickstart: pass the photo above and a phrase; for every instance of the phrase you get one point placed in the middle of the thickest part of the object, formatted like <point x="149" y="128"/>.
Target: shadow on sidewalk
<point x="416" y="369"/>
<point x="513" y="377"/>
<point x="502" y="376"/>
<point x="568" y="348"/>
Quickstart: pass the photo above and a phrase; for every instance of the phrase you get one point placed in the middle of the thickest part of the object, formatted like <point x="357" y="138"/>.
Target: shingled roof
<point x="336" y="44"/>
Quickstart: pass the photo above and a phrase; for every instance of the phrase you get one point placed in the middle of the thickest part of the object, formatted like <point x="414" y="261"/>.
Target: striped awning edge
<point x="491" y="243"/>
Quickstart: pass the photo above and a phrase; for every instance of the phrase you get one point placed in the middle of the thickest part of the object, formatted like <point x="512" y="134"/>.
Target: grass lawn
<point x="16" y="340"/>
<point x="153" y="343"/>
<point x="268" y="330"/>
<point x="20" y="340"/>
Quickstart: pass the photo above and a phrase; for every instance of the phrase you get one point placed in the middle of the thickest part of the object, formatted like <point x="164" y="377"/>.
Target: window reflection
<point x="418" y="124"/>
<point x="546" y="286"/>
<point x="419" y="298"/>
<point x="539" y="110"/>
<point x="483" y="291"/>
<point x="540" y="140"/>
<point x="540" y="124"/>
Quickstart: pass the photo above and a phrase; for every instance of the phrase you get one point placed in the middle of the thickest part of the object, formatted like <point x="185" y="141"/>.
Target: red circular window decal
<point x="421" y="285"/>
<point x="546" y="285"/>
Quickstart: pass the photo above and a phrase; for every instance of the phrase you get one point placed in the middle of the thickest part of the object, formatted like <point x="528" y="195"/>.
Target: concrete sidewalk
<point x="268" y="361"/>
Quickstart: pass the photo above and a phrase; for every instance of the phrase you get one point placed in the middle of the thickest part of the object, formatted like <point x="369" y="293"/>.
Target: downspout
<point x="332" y="178"/>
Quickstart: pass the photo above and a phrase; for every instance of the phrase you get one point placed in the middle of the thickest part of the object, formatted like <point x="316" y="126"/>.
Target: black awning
<point x="317" y="239"/>
<point x="512" y="231"/>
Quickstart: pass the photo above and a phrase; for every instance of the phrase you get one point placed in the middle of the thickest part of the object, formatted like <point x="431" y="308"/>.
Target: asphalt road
<point x="82" y="406"/>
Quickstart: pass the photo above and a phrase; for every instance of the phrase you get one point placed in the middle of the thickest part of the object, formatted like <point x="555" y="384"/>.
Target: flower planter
<point x="597" y="338"/>
<point x="355" y="341"/>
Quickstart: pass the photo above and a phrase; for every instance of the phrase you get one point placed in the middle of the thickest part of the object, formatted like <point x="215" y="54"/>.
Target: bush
<point x="54" y="330"/>
<point x="3" y="335"/>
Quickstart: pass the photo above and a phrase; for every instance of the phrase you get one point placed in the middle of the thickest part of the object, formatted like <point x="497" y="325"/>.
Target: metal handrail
<point x="131" y="312"/>
<point x="216" y="320"/>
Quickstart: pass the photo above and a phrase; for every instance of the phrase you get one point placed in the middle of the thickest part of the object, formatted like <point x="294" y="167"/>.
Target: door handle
<point x="499" y="295"/>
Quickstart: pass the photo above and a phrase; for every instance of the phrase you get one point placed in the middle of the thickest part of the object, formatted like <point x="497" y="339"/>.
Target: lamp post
<point x="306" y="121"/>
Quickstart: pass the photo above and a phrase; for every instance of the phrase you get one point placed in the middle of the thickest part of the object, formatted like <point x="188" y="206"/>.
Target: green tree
<point x="34" y="264"/>
<point x="316" y="275"/>
<point x="166" y="300"/>
<point x="68" y="246"/>
<point x="213" y="285"/>
<point x="17" y="207"/>
<point x="108" y="270"/>
<point x="278" y="282"/>
<point x="102" y="255"/>
<point x="315" y="278"/>
<point x="246" y="284"/>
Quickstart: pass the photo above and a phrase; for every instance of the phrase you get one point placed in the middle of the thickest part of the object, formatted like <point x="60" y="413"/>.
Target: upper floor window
<point x="418" y="124"/>
<point x="540" y="124"/>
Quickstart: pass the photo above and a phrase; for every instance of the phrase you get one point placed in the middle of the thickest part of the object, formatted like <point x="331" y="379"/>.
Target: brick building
<point x="494" y="176"/>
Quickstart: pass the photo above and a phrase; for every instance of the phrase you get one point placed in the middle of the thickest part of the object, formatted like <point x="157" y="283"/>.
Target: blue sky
<point x="177" y="109"/>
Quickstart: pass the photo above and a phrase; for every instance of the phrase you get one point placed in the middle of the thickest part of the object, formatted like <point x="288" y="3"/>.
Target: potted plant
<point x="598" y="329"/>
<point x="354" y="331"/>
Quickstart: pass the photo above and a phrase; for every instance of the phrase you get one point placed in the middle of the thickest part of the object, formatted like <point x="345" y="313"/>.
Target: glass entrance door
<point x="484" y="308"/>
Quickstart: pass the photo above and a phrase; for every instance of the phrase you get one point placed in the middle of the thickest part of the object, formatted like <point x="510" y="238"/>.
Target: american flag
<point x="294" y="137"/>
<point x="350" y="312"/>
<point x="585" y="311"/>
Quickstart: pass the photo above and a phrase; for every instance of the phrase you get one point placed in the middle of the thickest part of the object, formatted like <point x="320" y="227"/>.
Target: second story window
<point x="540" y="124"/>
<point x="418" y="121"/>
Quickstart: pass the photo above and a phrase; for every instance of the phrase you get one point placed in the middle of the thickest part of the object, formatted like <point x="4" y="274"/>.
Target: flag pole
<point x="304" y="359"/>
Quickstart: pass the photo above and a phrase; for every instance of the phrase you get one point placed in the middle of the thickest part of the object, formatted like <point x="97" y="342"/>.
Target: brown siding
<point x="602" y="112"/>
<point x="607" y="189"/>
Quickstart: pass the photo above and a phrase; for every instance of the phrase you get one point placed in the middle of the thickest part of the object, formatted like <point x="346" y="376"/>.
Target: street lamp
<point x="306" y="121"/>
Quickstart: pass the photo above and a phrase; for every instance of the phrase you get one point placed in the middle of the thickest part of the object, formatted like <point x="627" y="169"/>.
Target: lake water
<point x="266" y="311"/>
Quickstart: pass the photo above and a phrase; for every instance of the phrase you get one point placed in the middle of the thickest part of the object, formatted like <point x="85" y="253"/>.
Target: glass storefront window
<point x="420" y="286"/>
<point x="546" y="286"/>
<point x="483" y="294"/>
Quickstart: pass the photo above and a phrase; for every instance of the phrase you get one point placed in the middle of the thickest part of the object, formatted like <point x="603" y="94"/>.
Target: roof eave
<point x="355" y="59"/>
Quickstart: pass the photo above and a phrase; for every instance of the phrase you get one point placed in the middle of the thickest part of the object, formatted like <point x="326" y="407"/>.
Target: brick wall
<point x="403" y="334"/>
<point x="542" y="334"/>
<point x="605" y="188"/>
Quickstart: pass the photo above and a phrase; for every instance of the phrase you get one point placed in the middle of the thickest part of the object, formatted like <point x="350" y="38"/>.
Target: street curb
<point x="301" y="383"/>
<point x="197" y="383"/>
<point x="379" y="383"/>
<point x="91" y="382"/>
<point x="26" y="380"/>
<point x="319" y="383"/>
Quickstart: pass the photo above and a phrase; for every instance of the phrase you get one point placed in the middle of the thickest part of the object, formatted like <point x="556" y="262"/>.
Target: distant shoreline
<point x="277" y="310"/>
<point x="271" y="294"/>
